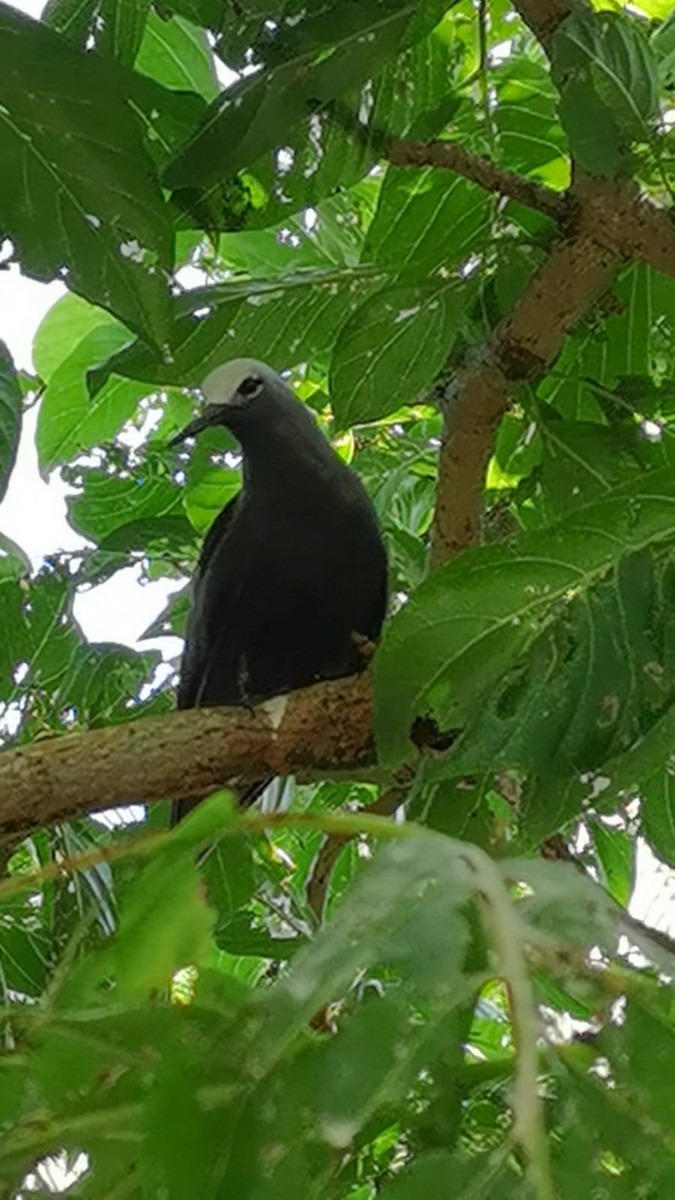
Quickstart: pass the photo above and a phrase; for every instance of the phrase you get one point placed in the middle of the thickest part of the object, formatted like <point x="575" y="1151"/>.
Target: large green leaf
<point x="61" y="329"/>
<point x="330" y="150"/>
<point x="475" y="616"/>
<point x="607" y="76"/>
<point x="525" y="116"/>
<point x="11" y="409"/>
<point x="282" y="322"/>
<point x="69" y="420"/>
<point x="80" y="199"/>
<point x="107" y="502"/>
<point x="390" y="349"/>
<point x="437" y="1175"/>
<point x="426" y="219"/>
<point x="325" y="52"/>
<point x="591" y="685"/>
<point x="114" y="27"/>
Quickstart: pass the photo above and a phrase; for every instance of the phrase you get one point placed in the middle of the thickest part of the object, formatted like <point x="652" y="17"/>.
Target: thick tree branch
<point x="322" y="729"/>
<point x="610" y="211"/>
<point x="613" y="213"/>
<point x="522" y="348"/>
<point x="612" y="224"/>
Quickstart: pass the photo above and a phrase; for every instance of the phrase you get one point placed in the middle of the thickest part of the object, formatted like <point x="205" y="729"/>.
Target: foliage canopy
<point x="370" y="195"/>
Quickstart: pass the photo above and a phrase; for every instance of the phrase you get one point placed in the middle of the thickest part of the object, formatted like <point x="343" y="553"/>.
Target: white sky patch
<point x="652" y="430"/>
<point x="33" y="512"/>
<point x="285" y="159"/>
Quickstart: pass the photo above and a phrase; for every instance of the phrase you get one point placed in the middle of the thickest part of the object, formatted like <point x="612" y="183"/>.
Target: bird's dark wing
<point x="211" y="641"/>
<point x="194" y="662"/>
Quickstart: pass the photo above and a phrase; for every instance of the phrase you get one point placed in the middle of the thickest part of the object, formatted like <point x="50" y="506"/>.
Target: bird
<point x="290" y="586"/>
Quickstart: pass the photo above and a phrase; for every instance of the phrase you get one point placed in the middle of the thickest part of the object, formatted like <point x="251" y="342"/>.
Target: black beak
<point x="212" y="415"/>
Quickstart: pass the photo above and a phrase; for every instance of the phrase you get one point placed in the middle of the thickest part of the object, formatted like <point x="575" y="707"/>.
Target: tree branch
<point x="613" y="213"/>
<point x="522" y="347"/>
<point x="450" y="156"/>
<point x="322" y="729"/>
<point x="543" y="17"/>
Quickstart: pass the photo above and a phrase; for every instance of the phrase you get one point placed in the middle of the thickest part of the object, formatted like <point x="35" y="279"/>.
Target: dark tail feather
<point x="244" y="797"/>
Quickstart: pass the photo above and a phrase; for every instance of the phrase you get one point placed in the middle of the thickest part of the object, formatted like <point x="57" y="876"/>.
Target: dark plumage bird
<point x="292" y="577"/>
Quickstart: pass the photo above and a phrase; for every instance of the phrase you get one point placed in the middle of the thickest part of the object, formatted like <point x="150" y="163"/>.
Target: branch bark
<point x="522" y="348"/>
<point x="323" y="729"/>
<point x="450" y="156"/>
<point x="543" y="17"/>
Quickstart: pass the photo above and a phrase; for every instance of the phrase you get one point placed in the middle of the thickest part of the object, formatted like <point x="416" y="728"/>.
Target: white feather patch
<point x="275" y="709"/>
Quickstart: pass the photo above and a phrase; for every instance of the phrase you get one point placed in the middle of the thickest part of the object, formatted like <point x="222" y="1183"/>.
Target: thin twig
<point x="385" y="805"/>
<point x="450" y="156"/>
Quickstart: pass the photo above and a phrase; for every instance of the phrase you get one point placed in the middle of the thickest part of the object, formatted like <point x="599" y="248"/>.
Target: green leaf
<point x="52" y="636"/>
<point x="165" y="540"/>
<point x="164" y="923"/>
<point x="282" y="322"/>
<point x="375" y="922"/>
<point x="608" y="80"/>
<point x="476" y="615"/>
<point x="391" y="349"/>
<point x="103" y="681"/>
<point x="14" y="562"/>
<point x="108" y="503"/>
<point x="424" y="220"/>
<point x="595" y="140"/>
<point x="330" y="150"/>
<point x="526" y="117"/>
<point x="440" y="1174"/>
<point x="25" y="950"/>
<point x="590" y="685"/>
<point x="244" y="935"/>
<point x="582" y="461"/>
<point x="615" y="850"/>
<point x="71" y="18"/>
<point x="208" y="495"/>
<point x="657" y="789"/>
<point x="229" y="873"/>
<point x="61" y="330"/>
<point x="167" y="906"/>
<point x="358" y="1074"/>
<point x="663" y="40"/>
<point x="177" y="55"/>
<point x="84" y="203"/>
<point x="69" y="420"/>
<point x="114" y="27"/>
<point x="334" y="239"/>
<point x="124" y="23"/>
<point x="632" y="332"/>
<point x="11" y="412"/>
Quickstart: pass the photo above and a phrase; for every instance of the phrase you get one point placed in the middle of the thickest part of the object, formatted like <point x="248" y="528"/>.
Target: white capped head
<point x="244" y="395"/>
<point x="236" y="382"/>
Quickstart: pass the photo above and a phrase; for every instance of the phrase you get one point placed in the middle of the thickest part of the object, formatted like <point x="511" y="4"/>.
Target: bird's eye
<point x="250" y="386"/>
